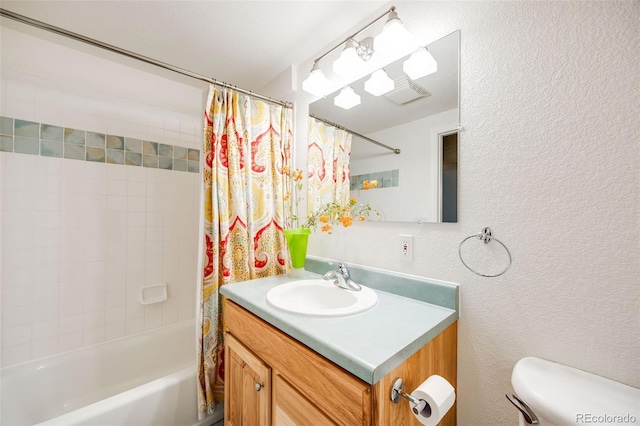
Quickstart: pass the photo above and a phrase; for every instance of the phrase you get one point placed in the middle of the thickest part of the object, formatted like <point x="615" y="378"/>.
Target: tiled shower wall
<point x="80" y="237"/>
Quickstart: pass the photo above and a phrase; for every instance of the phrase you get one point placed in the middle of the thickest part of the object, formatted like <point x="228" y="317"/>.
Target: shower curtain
<point x="246" y="152"/>
<point x="329" y="176"/>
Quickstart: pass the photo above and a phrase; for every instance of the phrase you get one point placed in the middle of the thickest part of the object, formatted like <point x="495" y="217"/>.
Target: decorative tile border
<point x="29" y="137"/>
<point x="386" y="179"/>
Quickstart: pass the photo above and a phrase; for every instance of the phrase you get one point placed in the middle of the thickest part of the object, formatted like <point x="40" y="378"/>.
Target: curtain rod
<point x="368" y="139"/>
<point x="93" y="42"/>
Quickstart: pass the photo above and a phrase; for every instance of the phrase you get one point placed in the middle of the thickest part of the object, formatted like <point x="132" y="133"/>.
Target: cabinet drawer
<point x="290" y="408"/>
<point x="341" y="396"/>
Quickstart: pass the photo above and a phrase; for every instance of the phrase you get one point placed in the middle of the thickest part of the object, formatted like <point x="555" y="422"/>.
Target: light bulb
<point x="394" y="39"/>
<point x="347" y="98"/>
<point x="317" y="83"/>
<point x="379" y="83"/>
<point x="349" y="63"/>
<point x="420" y="64"/>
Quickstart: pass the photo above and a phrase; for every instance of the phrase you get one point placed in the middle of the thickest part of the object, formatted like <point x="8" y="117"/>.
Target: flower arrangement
<point x="332" y="214"/>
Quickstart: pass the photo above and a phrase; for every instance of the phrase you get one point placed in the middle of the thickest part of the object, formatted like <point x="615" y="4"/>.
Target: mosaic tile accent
<point x="95" y="154"/>
<point x="150" y="161"/>
<point x="133" y="145"/>
<point x="179" y="153"/>
<point x="165" y="150"/>
<point x="28" y="137"/>
<point x="180" y="165"/>
<point x="6" y="126"/>
<point x="115" y="156"/>
<point x="150" y="148"/>
<point x="95" y="140"/>
<point x="132" y="159"/>
<point x="6" y="143"/>
<point x="386" y="179"/>
<point x="193" y="166"/>
<point x="28" y="129"/>
<point x="115" y="142"/>
<point x="51" y="148"/>
<point x="74" y="136"/>
<point x="24" y="145"/>
<point x="165" y="163"/>
<point x="194" y="155"/>
<point x="51" y="133"/>
<point x="74" y="152"/>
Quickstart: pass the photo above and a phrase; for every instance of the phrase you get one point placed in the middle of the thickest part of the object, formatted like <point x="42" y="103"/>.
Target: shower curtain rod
<point x="78" y="37"/>
<point x="368" y="139"/>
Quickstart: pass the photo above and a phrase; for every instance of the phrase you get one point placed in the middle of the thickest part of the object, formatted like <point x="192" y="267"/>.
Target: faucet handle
<point x="344" y="270"/>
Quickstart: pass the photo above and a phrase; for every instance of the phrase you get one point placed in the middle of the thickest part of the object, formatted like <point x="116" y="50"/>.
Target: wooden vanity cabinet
<point x="299" y="387"/>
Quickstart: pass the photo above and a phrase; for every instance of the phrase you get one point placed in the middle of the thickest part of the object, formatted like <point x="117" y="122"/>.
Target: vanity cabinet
<point x="297" y="386"/>
<point x="249" y="390"/>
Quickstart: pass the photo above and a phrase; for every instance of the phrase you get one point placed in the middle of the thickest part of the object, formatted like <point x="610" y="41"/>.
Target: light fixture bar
<point x="368" y="139"/>
<point x="391" y="9"/>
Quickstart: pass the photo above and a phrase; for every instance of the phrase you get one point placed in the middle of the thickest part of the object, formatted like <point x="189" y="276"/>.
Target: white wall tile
<point x="95" y="232"/>
<point x="18" y="335"/>
<point x="135" y="325"/>
<point x="16" y="354"/>
<point x="41" y="348"/>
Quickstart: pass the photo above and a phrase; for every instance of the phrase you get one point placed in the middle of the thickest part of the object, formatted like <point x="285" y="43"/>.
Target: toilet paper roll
<point x="439" y="395"/>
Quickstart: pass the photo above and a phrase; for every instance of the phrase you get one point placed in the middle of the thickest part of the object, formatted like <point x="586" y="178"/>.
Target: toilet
<point x="556" y="395"/>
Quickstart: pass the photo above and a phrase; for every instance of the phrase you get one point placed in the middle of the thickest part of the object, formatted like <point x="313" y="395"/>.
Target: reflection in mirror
<point x="419" y="119"/>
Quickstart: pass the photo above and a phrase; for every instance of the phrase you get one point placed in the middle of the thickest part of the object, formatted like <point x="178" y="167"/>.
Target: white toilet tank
<point x="559" y="395"/>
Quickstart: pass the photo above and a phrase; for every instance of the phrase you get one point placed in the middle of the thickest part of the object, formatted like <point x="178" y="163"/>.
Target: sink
<point x="321" y="298"/>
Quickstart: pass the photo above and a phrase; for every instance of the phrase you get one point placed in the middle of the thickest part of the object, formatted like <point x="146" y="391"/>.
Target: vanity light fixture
<point x="379" y="83"/>
<point x="347" y="98"/>
<point x="369" y="55"/>
<point x="420" y="64"/>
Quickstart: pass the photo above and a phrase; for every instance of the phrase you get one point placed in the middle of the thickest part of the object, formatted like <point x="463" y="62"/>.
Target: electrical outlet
<point x="406" y="246"/>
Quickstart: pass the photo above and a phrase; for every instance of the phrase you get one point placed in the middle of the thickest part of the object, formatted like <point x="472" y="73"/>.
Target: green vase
<point x="297" y="239"/>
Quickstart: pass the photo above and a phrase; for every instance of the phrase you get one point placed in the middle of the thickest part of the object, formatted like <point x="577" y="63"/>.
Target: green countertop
<point x="369" y="345"/>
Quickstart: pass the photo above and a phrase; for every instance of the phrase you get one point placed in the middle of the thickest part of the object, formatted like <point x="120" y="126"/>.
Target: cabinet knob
<point x="259" y="386"/>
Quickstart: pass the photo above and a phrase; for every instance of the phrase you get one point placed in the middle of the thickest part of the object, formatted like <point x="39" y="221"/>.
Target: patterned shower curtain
<point x="247" y="145"/>
<point x="329" y="176"/>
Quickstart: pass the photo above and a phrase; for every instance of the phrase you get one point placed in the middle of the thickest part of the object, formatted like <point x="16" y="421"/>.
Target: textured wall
<point x="549" y="159"/>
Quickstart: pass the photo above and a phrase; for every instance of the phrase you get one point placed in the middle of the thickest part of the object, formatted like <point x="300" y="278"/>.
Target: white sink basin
<point x="318" y="297"/>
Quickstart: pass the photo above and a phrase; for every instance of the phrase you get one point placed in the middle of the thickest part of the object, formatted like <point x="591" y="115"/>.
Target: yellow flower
<point x="362" y="218"/>
<point x="324" y="218"/>
<point x="365" y="185"/>
<point x="346" y="221"/>
<point x="373" y="183"/>
<point x="352" y="201"/>
<point x="326" y="228"/>
<point x="297" y="175"/>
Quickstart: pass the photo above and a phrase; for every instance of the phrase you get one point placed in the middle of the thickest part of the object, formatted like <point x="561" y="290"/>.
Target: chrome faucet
<point x="342" y="278"/>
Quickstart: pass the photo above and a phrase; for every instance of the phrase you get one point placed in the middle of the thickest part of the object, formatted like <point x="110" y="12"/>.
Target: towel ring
<point x="484" y="236"/>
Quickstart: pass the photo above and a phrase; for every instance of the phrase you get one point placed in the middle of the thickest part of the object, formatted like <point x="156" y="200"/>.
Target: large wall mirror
<point x="420" y="119"/>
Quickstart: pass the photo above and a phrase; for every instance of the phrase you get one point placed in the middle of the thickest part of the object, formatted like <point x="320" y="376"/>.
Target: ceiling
<point x="244" y="43"/>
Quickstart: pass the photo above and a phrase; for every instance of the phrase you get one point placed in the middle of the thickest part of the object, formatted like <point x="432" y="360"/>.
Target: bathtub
<point x="148" y="379"/>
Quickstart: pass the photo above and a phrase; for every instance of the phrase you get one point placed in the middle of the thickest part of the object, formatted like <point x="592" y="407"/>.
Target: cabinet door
<point x="291" y="408"/>
<point x="247" y="386"/>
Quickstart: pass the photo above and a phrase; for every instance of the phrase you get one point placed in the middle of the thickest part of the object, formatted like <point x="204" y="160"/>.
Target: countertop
<point x="368" y="345"/>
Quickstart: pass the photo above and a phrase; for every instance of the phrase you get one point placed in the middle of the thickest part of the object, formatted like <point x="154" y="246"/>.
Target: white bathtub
<point x="148" y="379"/>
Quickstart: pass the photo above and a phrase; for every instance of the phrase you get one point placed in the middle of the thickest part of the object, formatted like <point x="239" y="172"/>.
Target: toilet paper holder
<point x="420" y="406"/>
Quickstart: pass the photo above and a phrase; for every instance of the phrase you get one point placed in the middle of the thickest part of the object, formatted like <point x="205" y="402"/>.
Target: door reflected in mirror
<point x="406" y="140"/>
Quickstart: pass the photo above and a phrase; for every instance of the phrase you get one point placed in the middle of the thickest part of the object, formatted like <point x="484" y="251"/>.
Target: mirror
<point x="420" y="118"/>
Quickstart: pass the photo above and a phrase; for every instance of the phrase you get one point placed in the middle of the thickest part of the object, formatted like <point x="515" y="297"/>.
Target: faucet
<point x="342" y="278"/>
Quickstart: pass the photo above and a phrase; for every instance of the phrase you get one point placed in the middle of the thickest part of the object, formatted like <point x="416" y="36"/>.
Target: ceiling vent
<point x="406" y="90"/>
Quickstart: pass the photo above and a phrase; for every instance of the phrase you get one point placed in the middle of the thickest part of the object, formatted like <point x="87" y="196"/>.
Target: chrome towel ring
<point x="484" y="236"/>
